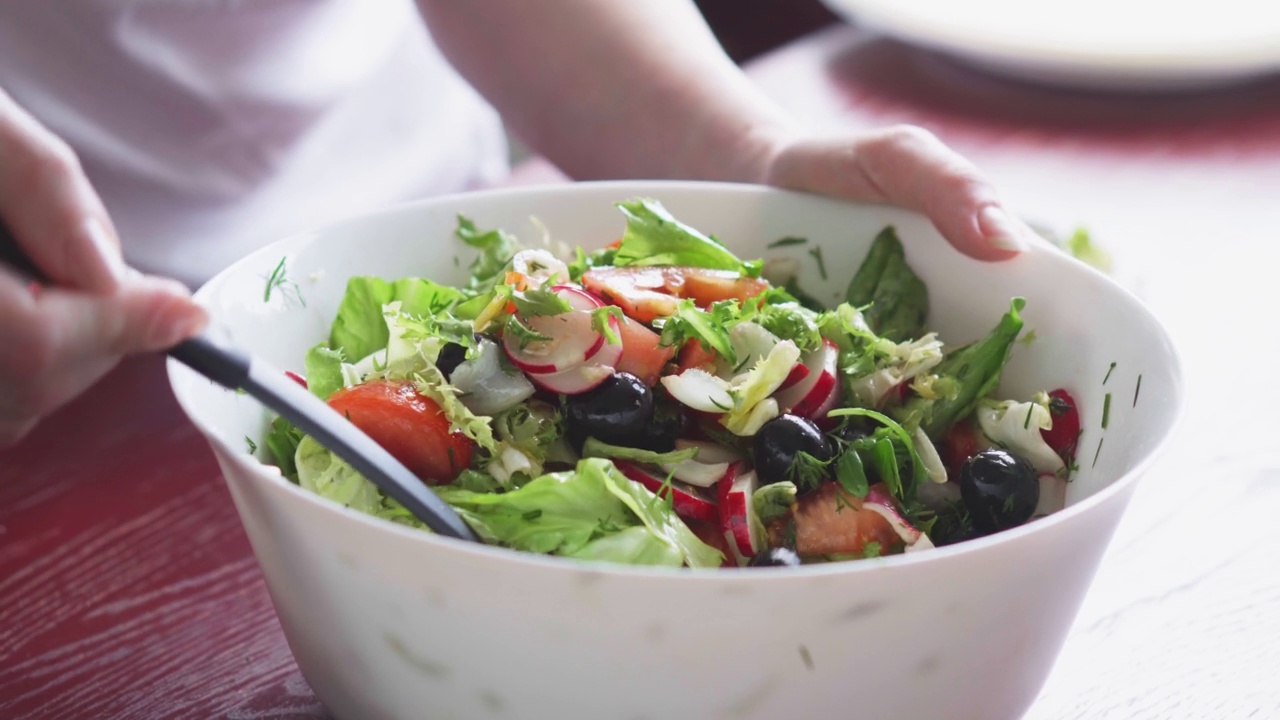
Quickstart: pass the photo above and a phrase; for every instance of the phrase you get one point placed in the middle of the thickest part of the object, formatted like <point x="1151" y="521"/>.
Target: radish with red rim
<point x="687" y="501"/>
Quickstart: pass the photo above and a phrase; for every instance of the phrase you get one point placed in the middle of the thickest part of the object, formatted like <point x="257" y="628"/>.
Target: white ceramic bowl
<point x="386" y="622"/>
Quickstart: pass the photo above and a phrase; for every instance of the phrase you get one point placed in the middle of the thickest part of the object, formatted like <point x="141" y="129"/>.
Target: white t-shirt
<point x="211" y="127"/>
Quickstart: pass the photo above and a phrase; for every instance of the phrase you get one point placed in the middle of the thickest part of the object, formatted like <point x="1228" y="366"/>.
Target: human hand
<point x="906" y="166"/>
<point x="57" y="341"/>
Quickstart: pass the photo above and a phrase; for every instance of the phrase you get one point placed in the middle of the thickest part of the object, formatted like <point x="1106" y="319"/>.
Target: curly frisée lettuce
<point x="680" y="410"/>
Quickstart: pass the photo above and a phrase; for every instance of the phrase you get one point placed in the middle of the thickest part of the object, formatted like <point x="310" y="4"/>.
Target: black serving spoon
<point x="238" y="370"/>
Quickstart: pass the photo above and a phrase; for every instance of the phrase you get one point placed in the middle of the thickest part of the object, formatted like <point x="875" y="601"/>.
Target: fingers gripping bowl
<point x="388" y="621"/>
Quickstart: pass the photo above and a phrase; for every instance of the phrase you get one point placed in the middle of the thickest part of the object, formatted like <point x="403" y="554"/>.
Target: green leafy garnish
<point x="807" y="472"/>
<point x="282" y="442"/>
<point x="600" y="322"/>
<point x="360" y="327"/>
<point x="774" y="500"/>
<point x="279" y="280"/>
<point x="709" y="328"/>
<point x="496" y="249"/>
<point x="654" y="237"/>
<point x="324" y="371"/>
<point x="592" y="513"/>
<point x="851" y="474"/>
<point x="538" y="302"/>
<point x="253" y="446"/>
<point x="975" y="370"/>
<point x="523" y="333"/>
<point x="1106" y="410"/>
<point x="897" y="300"/>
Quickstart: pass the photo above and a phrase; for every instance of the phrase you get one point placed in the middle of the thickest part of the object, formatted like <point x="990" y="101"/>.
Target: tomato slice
<point x="696" y="355"/>
<point x="1065" y="433"/>
<point x="648" y="293"/>
<point x="830" y="521"/>
<point x="409" y="426"/>
<point x="642" y="355"/>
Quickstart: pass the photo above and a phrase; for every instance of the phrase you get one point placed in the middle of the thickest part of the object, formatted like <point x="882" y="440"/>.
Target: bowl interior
<point x="1089" y="335"/>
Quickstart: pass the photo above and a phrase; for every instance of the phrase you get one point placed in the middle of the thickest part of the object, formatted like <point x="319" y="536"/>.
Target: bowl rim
<point x="262" y="472"/>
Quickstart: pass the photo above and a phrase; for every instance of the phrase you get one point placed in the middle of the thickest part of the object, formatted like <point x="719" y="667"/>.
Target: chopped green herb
<point x="816" y="252"/>
<point x="871" y="550"/>
<point x="1108" y="375"/>
<point x="807" y="471"/>
<point x="1029" y="338"/>
<point x="1096" y="452"/>
<point x="1106" y="410"/>
<point x="789" y="240"/>
<point x="253" y="446"/>
<point x="1137" y="388"/>
<point x="279" y="278"/>
<point x="1026" y="422"/>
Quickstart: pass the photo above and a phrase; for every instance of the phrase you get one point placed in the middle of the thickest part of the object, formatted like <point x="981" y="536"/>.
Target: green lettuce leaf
<point x="654" y="237"/>
<point x="592" y="512"/>
<point x="360" y="328"/>
<point x="599" y="449"/>
<point x="282" y="442"/>
<point x="324" y="371"/>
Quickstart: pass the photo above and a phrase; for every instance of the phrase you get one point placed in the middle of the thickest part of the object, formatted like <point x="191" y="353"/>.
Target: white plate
<point x="1158" y="44"/>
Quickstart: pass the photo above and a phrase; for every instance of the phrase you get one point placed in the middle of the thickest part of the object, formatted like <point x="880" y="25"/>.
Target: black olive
<point x="780" y="441"/>
<point x="775" y="557"/>
<point x="617" y="411"/>
<point x="668" y="424"/>
<point x="451" y="356"/>
<point x="1000" y="490"/>
<point x="850" y="431"/>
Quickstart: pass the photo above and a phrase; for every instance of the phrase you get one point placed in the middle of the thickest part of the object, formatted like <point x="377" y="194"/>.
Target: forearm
<point x="613" y="88"/>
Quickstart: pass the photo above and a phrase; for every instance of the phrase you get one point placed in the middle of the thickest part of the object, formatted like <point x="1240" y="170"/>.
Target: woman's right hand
<point x="56" y="341"/>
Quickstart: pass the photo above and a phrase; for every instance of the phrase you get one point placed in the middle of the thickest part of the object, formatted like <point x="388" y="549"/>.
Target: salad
<point x="660" y="401"/>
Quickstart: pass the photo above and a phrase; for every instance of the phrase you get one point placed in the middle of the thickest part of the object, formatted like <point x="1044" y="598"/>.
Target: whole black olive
<point x="780" y="441"/>
<point x="668" y="424"/>
<point x="617" y="411"/>
<point x="775" y="557"/>
<point x="1000" y="490"/>
<point x="451" y="356"/>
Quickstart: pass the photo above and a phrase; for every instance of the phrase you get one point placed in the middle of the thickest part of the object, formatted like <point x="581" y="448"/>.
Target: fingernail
<point x="177" y="321"/>
<point x="1001" y="231"/>
<point x="106" y="248"/>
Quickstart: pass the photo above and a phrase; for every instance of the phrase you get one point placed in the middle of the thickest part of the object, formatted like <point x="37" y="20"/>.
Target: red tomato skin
<point x="960" y="443"/>
<point x="409" y="426"/>
<point x="1065" y="433"/>
<point x="642" y="354"/>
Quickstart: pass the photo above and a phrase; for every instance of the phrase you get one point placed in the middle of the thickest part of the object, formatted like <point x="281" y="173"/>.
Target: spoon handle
<point x="236" y="370"/>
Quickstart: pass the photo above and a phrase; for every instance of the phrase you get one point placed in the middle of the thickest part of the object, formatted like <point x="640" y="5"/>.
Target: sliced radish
<point x="709" y="452"/>
<point x="583" y="377"/>
<point x="881" y="503"/>
<point x="699" y="390"/>
<point x="687" y="501"/>
<point x="819" y="390"/>
<point x="572" y="342"/>
<point x="741" y="528"/>
<point x="697" y="473"/>
<point x="799" y="372"/>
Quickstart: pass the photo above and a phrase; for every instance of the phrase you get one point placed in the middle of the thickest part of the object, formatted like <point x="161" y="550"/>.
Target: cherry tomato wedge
<point x="830" y="521"/>
<point x="409" y="426"/>
<point x="1065" y="433"/>
<point x="642" y="355"/>
<point x="648" y="293"/>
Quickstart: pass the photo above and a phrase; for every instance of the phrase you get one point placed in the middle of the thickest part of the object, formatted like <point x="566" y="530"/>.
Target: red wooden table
<point x="127" y="588"/>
